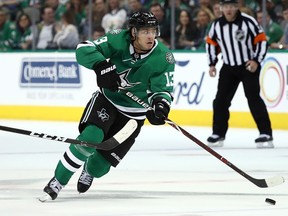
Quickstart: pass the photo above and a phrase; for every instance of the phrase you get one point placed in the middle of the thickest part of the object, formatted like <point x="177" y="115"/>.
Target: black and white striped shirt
<point x="238" y="41"/>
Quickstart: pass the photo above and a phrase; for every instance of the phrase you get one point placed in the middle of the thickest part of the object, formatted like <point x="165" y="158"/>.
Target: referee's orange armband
<point x="210" y="41"/>
<point x="260" y="37"/>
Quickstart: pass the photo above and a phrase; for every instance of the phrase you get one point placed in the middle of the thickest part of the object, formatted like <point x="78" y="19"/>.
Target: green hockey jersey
<point x="7" y="36"/>
<point x="143" y="76"/>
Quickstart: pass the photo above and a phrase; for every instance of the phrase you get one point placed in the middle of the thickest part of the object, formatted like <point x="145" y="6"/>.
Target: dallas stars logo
<point x="124" y="81"/>
<point x="103" y="115"/>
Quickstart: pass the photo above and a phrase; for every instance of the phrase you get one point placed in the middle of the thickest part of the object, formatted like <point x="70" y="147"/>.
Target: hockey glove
<point x="107" y="76"/>
<point x="160" y="111"/>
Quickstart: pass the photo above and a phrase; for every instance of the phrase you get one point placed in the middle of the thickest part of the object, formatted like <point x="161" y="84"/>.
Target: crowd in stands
<point x="62" y="24"/>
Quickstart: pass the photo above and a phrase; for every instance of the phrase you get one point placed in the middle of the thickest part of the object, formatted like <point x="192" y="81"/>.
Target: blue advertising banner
<point x="41" y="72"/>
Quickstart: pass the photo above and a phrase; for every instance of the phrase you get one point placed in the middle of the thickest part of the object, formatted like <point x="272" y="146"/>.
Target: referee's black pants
<point x="229" y="79"/>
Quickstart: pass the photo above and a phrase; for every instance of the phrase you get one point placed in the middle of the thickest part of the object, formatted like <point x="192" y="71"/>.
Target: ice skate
<point x="84" y="182"/>
<point x="51" y="190"/>
<point x="264" y="141"/>
<point x="215" y="141"/>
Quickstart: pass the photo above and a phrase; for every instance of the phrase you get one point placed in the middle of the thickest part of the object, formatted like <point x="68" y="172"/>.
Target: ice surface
<point x="164" y="174"/>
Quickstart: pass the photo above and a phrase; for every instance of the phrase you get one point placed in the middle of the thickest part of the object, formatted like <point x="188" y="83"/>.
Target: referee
<point x="243" y="45"/>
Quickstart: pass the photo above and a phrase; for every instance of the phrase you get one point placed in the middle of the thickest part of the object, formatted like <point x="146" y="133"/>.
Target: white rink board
<point x="194" y="89"/>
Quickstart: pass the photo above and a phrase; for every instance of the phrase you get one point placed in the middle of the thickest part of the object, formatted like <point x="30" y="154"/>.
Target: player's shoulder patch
<point x="170" y="58"/>
<point x="115" y="31"/>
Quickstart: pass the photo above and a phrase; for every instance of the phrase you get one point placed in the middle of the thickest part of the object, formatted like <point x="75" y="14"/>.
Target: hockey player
<point x="134" y="60"/>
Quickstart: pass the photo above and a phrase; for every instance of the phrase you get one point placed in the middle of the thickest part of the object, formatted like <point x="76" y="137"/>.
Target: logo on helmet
<point x="143" y="19"/>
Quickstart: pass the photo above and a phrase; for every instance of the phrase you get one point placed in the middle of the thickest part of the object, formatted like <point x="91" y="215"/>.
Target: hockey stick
<point x="109" y="144"/>
<point x="262" y="183"/>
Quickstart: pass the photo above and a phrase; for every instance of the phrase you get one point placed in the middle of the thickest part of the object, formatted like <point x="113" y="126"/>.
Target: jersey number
<point x="101" y="40"/>
<point x="169" y="79"/>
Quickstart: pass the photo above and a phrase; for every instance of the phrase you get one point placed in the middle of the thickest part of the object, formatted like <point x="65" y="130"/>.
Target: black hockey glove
<point x="160" y="111"/>
<point x="107" y="76"/>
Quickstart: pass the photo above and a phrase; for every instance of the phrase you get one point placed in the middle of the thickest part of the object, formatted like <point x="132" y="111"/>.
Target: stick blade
<point x="274" y="181"/>
<point x="120" y="137"/>
<point x="126" y="131"/>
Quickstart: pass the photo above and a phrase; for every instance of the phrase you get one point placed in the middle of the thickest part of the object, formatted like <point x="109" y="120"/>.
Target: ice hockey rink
<point x="164" y="174"/>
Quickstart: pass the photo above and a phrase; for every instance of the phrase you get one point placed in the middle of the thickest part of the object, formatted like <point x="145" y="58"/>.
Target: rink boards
<point x="52" y="86"/>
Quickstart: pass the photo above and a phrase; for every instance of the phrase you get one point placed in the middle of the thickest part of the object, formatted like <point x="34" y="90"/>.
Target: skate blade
<point x="216" y="144"/>
<point x="263" y="145"/>
<point x="45" y="197"/>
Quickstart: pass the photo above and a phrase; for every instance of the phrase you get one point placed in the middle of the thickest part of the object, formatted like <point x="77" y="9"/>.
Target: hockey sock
<point x="97" y="165"/>
<point x="76" y="155"/>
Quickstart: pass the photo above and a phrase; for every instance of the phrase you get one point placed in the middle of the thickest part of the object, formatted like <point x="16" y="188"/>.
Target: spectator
<point x="98" y="12"/>
<point x="284" y="40"/>
<point x="133" y="6"/>
<point x="24" y="33"/>
<point x="205" y="3"/>
<point x="115" y="18"/>
<point x="201" y="4"/>
<point x="203" y="22"/>
<point x="270" y="7"/>
<point x="12" y="6"/>
<point x="67" y="37"/>
<point x="185" y="31"/>
<point x="32" y="9"/>
<point x="165" y="29"/>
<point x="283" y="43"/>
<point x="147" y="3"/>
<point x="78" y="8"/>
<point x="7" y="32"/>
<point x="273" y="30"/>
<point x="58" y="8"/>
<point x="216" y="9"/>
<point x="252" y="4"/>
<point x="46" y="29"/>
<point x="178" y="6"/>
<point x="285" y="16"/>
<point x="99" y="31"/>
<point x="280" y="6"/>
